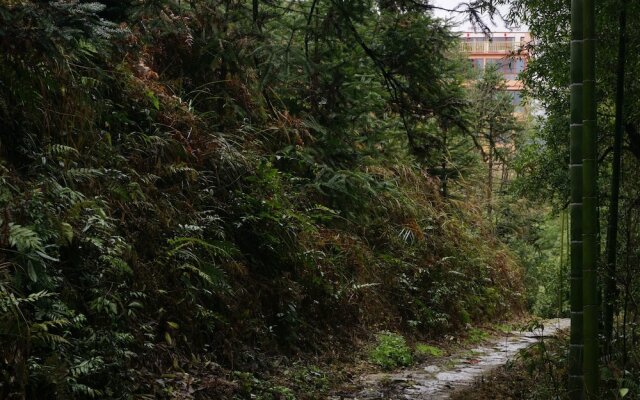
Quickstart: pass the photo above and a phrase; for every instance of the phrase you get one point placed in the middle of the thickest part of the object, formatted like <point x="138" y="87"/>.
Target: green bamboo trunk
<point x="575" y="206"/>
<point x="589" y="211"/>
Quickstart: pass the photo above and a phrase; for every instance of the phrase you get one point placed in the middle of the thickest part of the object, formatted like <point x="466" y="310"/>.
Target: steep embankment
<point x="166" y="217"/>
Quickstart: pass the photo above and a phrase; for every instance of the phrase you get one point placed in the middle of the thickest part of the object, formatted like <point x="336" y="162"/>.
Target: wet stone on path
<point x="435" y="382"/>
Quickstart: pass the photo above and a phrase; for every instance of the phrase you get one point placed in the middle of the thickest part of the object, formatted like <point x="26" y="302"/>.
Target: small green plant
<point x="391" y="351"/>
<point x="477" y="336"/>
<point x="426" y="350"/>
<point x="505" y="328"/>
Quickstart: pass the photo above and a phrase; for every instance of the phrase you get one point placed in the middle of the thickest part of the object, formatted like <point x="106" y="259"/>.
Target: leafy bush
<point x="390" y="351"/>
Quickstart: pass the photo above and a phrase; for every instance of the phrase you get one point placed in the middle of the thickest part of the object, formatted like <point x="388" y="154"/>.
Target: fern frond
<point x="24" y="239"/>
<point x="83" y="174"/>
<point x="217" y="248"/>
<point x="66" y="194"/>
<point x="86" y="367"/>
<point x="180" y="169"/>
<point x="117" y="264"/>
<point x="213" y="277"/>
<point x="47" y="338"/>
<point x="84" y="390"/>
<point x="35" y="297"/>
<point x="54" y="323"/>
<point x="61" y="150"/>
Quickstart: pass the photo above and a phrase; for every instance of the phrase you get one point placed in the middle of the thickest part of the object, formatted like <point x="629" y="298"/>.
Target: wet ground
<point x="439" y="380"/>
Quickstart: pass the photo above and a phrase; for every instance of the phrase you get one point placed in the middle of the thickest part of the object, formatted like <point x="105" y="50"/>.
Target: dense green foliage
<point x="192" y="187"/>
<point x="542" y="175"/>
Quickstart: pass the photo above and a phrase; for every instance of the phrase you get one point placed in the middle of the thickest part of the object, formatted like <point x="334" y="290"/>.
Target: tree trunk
<point x="612" y="228"/>
<point x="504" y="179"/>
<point x="255" y="11"/>
<point x="444" y="173"/>
<point x="490" y="175"/>
<point x="590" y="235"/>
<point x="575" y="207"/>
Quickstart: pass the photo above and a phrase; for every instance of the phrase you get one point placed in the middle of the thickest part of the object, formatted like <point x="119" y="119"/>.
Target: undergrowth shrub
<point x="390" y="351"/>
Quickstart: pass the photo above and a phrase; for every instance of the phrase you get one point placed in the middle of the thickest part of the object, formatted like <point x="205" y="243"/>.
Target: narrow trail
<point x="459" y="371"/>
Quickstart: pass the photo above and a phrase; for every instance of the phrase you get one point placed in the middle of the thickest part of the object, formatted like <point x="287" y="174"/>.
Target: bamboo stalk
<point x="590" y="203"/>
<point x="575" y="207"/>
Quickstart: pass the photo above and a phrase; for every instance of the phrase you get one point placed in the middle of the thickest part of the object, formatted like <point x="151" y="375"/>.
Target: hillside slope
<point x="185" y="188"/>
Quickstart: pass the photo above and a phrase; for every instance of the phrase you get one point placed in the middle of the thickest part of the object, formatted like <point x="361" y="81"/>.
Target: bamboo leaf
<point x="31" y="272"/>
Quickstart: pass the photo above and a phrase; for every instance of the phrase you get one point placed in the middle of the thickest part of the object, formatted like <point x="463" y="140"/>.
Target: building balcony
<point x="489" y="47"/>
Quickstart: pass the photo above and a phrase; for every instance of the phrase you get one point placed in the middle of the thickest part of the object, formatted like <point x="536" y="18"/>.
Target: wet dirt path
<point x="459" y="371"/>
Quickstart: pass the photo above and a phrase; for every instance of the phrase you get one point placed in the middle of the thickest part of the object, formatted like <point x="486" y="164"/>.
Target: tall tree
<point x="494" y="124"/>
<point x="575" y="355"/>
